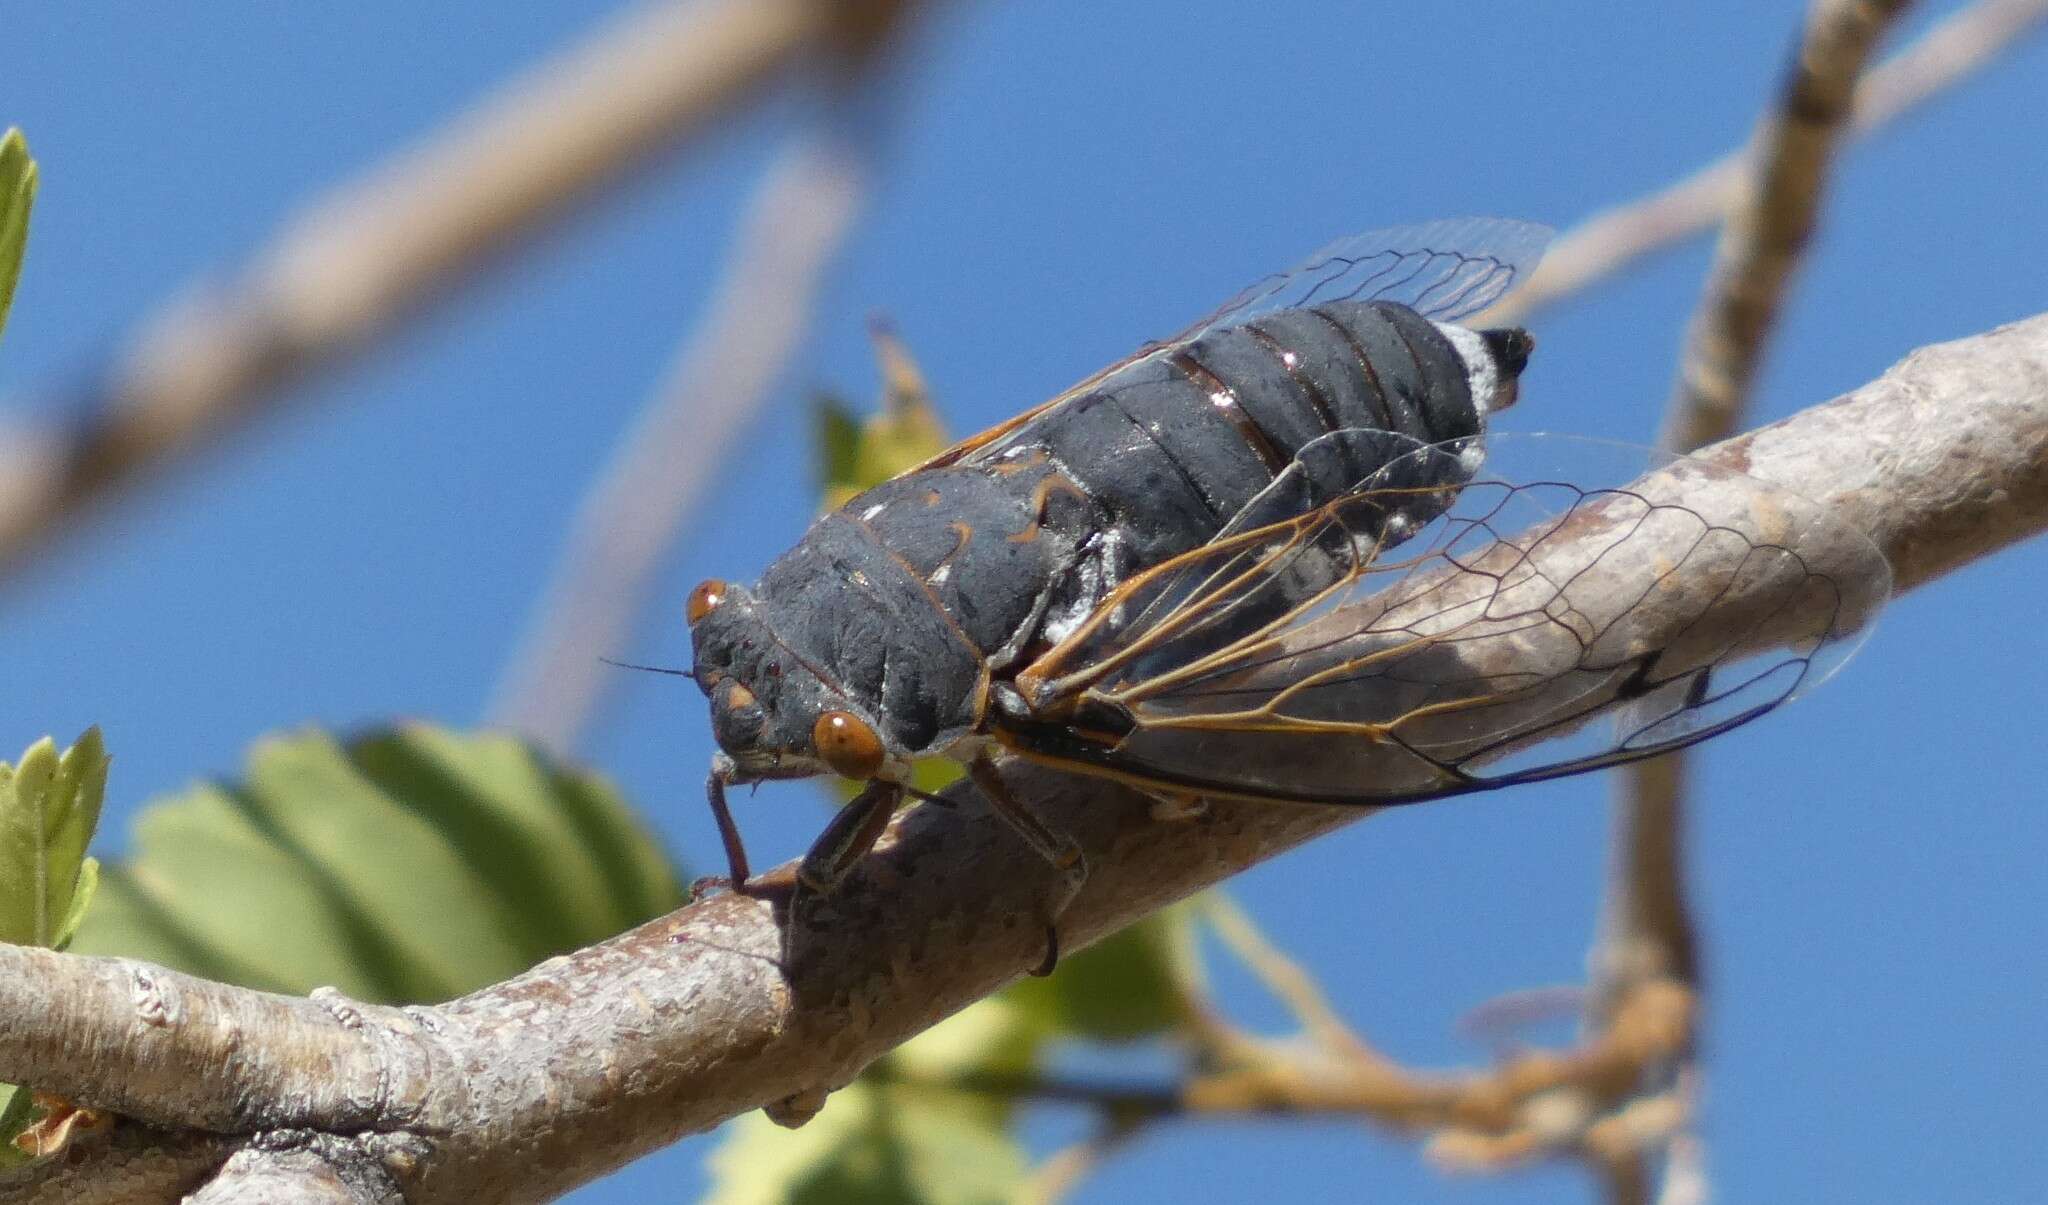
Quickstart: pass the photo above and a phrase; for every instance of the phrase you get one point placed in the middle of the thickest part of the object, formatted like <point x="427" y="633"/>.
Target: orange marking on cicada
<point x="962" y="532"/>
<point x="1041" y="497"/>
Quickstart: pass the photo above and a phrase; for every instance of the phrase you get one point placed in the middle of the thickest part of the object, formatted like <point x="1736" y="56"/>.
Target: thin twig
<point x="1614" y="239"/>
<point x="1772" y="220"/>
<point x="1647" y="928"/>
<point x="1285" y="978"/>
<point x="724" y="373"/>
<point x="1062" y="1171"/>
<point x="356" y="262"/>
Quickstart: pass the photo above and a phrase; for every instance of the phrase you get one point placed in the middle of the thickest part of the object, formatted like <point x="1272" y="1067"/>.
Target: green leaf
<point x="1130" y="985"/>
<point x="838" y="436"/>
<point x="49" y="806"/>
<point x="930" y="775"/>
<point x="872" y="1144"/>
<point x="17" y="197"/>
<point x="854" y="456"/>
<point x="411" y="864"/>
<point x="81" y="897"/>
<point x="17" y="1112"/>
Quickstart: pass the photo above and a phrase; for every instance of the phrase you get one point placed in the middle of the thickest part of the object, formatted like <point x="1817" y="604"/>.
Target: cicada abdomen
<point x="1535" y="627"/>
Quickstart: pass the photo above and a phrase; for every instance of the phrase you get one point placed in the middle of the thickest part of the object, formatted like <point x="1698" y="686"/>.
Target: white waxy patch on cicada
<point x="1481" y="372"/>
<point x="868" y="515"/>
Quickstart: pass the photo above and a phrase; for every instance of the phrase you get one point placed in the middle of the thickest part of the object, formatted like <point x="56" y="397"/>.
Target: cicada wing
<point x="1532" y="629"/>
<point x="1446" y="270"/>
<point x="1256" y="576"/>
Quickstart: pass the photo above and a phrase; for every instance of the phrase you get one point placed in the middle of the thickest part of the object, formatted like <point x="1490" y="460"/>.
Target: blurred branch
<point x="379" y="247"/>
<point x="724" y="373"/>
<point x="530" y="1087"/>
<point x="1609" y="242"/>
<point x="1772" y="220"/>
<point x="1053" y="1179"/>
<point x="1284" y="977"/>
<point x="1646" y="929"/>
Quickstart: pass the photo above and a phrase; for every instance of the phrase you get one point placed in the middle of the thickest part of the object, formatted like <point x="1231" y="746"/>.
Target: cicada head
<point x="770" y="712"/>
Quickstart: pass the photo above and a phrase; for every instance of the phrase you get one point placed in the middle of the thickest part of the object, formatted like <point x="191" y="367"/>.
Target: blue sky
<point x="1068" y="179"/>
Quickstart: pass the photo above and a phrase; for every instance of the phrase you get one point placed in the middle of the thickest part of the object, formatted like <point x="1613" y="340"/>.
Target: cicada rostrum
<point x="1267" y="559"/>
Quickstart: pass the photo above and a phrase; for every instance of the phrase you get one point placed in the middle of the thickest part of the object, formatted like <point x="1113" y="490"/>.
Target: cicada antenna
<point x="652" y="669"/>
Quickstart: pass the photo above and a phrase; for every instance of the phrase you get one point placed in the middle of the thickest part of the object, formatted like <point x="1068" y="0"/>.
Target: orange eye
<point x="846" y="743"/>
<point x="705" y="599"/>
<point x="738" y="697"/>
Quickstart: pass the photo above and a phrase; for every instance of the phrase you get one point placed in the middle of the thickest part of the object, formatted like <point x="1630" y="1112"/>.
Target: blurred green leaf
<point x="854" y="456"/>
<point x="931" y="775"/>
<point x="872" y="1144"/>
<point x="1130" y="985"/>
<point x="17" y="1113"/>
<point x="413" y="864"/>
<point x="49" y="807"/>
<point x="17" y="197"/>
<point x="838" y="435"/>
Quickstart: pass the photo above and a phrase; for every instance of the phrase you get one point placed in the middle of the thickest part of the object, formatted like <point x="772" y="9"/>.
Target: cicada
<point x="1259" y="561"/>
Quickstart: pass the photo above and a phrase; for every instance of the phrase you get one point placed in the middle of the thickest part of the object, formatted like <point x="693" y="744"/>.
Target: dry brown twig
<point x="357" y="261"/>
<point x="529" y="1087"/>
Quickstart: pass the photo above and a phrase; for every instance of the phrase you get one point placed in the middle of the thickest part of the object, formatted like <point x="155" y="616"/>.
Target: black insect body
<point x="893" y="629"/>
<point x="1111" y="581"/>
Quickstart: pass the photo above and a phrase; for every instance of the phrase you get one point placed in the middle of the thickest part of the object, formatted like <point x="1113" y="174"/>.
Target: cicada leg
<point x="852" y="833"/>
<point x="738" y="878"/>
<point x="1058" y="849"/>
<point x="728" y="832"/>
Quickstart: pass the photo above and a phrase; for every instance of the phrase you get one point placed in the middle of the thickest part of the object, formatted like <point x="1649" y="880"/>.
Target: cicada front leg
<point x="738" y="877"/>
<point x="1061" y="851"/>
<point x="852" y="833"/>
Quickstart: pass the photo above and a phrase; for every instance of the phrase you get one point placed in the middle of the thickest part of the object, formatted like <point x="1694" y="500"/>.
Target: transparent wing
<point x="1528" y="629"/>
<point x="1445" y="270"/>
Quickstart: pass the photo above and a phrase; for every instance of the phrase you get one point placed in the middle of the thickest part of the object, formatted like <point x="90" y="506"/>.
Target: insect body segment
<point x="898" y="626"/>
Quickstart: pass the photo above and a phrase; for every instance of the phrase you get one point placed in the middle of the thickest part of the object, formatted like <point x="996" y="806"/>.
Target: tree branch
<point x="535" y="1085"/>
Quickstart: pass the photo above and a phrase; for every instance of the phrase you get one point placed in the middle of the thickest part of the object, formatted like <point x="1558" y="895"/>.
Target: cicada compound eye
<point x="706" y="598"/>
<point x="848" y="745"/>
